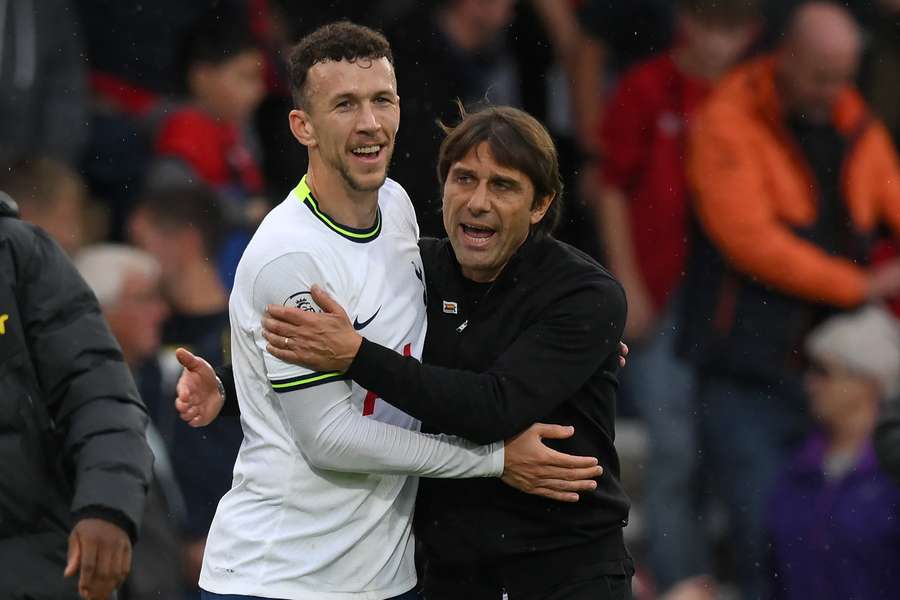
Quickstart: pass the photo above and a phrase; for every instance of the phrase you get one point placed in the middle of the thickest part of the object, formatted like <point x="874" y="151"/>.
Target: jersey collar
<point x="304" y="194"/>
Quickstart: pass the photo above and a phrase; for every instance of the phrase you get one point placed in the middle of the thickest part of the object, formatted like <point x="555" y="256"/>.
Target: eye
<point x="463" y="178"/>
<point x="342" y="105"/>
<point x="383" y="100"/>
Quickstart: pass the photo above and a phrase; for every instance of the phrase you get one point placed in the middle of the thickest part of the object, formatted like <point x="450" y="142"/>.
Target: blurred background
<point x="732" y="162"/>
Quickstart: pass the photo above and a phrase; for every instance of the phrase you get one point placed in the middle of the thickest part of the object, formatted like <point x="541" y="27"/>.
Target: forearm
<point x="334" y="436"/>
<point x="457" y="402"/>
<point x="615" y="225"/>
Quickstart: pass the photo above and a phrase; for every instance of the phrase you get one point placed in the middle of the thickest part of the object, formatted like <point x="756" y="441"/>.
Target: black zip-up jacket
<point x="72" y="425"/>
<point x="538" y="344"/>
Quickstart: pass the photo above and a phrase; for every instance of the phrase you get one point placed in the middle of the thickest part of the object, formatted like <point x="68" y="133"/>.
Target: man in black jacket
<point x="521" y="328"/>
<point x="74" y="461"/>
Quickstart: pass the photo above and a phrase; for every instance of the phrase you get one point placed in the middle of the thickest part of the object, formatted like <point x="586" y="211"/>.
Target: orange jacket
<point x="751" y="186"/>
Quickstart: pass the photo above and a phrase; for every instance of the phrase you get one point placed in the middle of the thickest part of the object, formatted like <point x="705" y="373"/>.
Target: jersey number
<point x="371" y="397"/>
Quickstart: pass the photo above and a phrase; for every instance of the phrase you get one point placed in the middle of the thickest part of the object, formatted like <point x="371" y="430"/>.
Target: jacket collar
<point x="760" y="79"/>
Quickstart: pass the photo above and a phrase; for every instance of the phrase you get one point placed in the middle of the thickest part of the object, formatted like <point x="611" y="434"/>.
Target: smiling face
<point x="488" y="211"/>
<point x="350" y="118"/>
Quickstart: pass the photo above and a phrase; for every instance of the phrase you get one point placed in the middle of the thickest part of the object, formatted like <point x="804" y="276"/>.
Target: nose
<point x="479" y="202"/>
<point x="366" y="120"/>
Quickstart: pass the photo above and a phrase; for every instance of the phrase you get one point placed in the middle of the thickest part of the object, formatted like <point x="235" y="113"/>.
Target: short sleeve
<point x="287" y="281"/>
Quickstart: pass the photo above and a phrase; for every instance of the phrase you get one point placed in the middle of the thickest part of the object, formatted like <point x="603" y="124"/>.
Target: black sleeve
<point x="547" y="363"/>
<point x="887" y="438"/>
<point x="87" y="387"/>
<point x="231" y="408"/>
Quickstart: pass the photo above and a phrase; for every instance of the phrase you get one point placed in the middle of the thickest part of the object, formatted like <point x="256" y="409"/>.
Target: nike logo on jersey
<point x="357" y="325"/>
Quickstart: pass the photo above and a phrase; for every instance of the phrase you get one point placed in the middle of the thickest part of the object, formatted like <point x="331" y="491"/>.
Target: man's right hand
<point x="532" y="467"/>
<point x="199" y="401"/>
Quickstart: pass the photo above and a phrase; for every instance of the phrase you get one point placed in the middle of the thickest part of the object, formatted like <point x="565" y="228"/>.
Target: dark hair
<point x="36" y="180"/>
<point x="721" y="12"/>
<point x="336" y="41"/>
<point x="518" y="141"/>
<point x="181" y="206"/>
<point x="216" y="37"/>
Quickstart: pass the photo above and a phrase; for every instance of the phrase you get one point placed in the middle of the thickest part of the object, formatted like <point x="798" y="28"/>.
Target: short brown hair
<point x="728" y="13"/>
<point x="36" y="181"/>
<point x="518" y="141"/>
<point x="187" y="205"/>
<point x="338" y="41"/>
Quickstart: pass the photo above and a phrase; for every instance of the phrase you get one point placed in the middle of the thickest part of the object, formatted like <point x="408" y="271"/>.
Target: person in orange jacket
<point x="791" y="179"/>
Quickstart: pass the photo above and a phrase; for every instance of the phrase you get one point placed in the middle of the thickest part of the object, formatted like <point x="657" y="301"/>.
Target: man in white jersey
<point x="321" y="502"/>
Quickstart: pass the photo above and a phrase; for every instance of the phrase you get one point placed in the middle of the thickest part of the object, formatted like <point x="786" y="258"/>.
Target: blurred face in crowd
<point x="488" y="212"/>
<point x="350" y="119"/>
<point x="485" y="19"/>
<point x="230" y="90"/>
<point x="819" y="57"/>
<point x="835" y="393"/>
<point x="62" y="217"/>
<point x="136" y="318"/>
<point x="165" y="244"/>
<point x="713" y="46"/>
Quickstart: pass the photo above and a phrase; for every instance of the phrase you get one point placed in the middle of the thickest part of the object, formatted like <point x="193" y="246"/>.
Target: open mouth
<point x="370" y="153"/>
<point x="477" y="234"/>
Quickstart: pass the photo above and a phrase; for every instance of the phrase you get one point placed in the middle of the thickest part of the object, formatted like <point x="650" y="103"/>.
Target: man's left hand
<point x="323" y="341"/>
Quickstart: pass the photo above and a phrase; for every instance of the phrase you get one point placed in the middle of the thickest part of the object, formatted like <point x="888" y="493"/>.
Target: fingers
<point x="561" y="485"/>
<point x="74" y="556"/>
<point x="187" y="359"/>
<point x="286" y="315"/>
<point x="125" y="563"/>
<point x="278" y="327"/>
<point x="326" y="302"/>
<point x="553" y="432"/>
<point x="88" y="568"/>
<point x="556" y="495"/>
<point x="285" y="355"/>
<point x="570" y="461"/>
<point x="560" y="473"/>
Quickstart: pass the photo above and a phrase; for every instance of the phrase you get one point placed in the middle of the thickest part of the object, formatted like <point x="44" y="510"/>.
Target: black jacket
<point x="72" y="426"/>
<point x="539" y="344"/>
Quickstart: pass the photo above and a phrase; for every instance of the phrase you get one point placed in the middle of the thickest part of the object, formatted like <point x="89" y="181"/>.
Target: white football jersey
<point x="288" y="529"/>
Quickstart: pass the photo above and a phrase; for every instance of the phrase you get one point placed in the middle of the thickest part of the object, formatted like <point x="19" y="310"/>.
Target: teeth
<point x="367" y="150"/>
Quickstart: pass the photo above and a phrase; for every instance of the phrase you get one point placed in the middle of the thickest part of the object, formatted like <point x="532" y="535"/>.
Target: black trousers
<point x="568" y="574"/>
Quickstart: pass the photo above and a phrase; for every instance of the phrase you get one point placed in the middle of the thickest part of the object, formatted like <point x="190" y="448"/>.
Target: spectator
<point x="74" y="462"/>
<point x="126" y="282"/>
<point x="643" y="212"/>
<point x="206" y="141"/>
<point x="182" y="228"/>
<point x="833" y="515"/>
<point x="882" y="63"/>
<point x="42" y="107"/>
<point x="792" y="178"/>
<point x="887" y="438"/>
<point x="442" y="51"/>
<point x="50" y="195"/>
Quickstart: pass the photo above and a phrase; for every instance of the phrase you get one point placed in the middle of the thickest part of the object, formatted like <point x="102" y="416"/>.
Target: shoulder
<point x="573" y="279"/>
<point x="187" y="128"/>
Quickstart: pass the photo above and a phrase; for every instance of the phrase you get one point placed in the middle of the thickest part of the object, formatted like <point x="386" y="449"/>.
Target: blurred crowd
<point x="732" y="162"/>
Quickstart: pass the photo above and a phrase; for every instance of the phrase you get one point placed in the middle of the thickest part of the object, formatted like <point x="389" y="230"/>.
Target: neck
<point x="357" y="209"/>
<point x="691" y="64"/>
<point x="851" y="433"/>
<point x="196" y="290"/>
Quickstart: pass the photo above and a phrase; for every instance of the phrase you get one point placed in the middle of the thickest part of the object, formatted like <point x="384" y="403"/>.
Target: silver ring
<point x="285" y="342"/>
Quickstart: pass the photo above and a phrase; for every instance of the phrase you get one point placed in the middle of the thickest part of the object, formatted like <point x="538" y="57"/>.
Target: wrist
<point x="221" y="389"/>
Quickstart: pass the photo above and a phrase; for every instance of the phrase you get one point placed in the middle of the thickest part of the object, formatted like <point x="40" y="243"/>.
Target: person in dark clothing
<point x="521" y="328"/>
<point x="182" y="228"/>
<point x="887" y="438"/>
<point x="74" y="462"/>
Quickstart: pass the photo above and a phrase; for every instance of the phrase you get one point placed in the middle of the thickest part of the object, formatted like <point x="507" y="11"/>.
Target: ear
<point x="540" y="208"/>
<point x="302" y="127"/>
